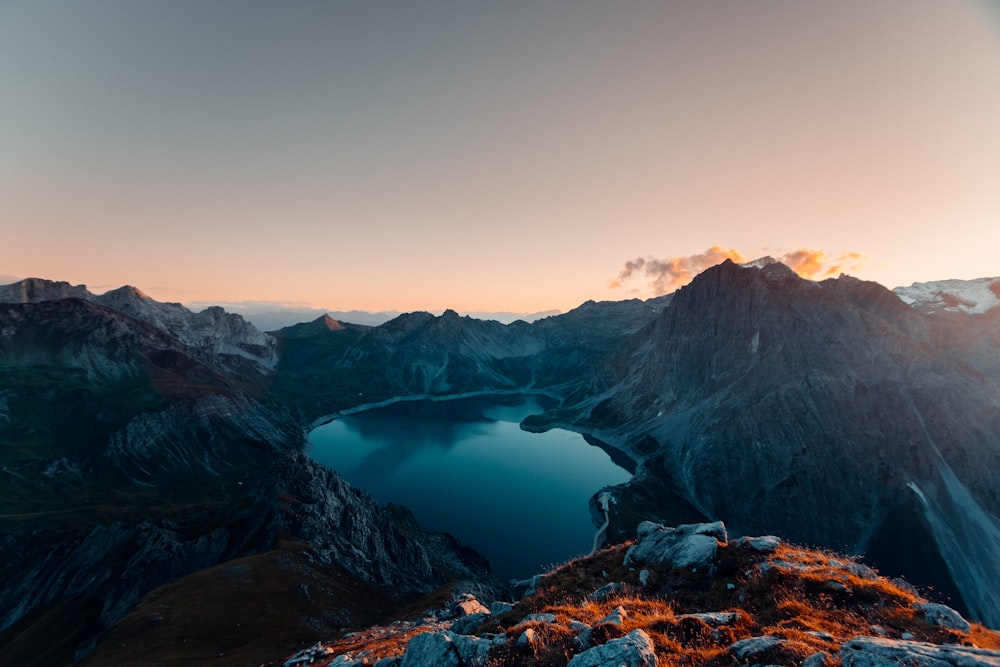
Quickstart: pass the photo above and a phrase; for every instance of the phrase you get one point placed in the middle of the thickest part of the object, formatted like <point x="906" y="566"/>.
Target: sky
<point x="518" y="156"/>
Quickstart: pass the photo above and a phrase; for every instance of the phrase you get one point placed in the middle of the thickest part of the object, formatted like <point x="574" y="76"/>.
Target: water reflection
<point x="465" y="466"/>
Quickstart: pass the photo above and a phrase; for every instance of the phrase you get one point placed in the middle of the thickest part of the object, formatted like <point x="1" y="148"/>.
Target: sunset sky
<point x="492" y="155"/>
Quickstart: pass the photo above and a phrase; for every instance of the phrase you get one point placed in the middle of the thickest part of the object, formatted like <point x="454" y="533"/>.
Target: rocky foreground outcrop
<point x="685" y="595"/>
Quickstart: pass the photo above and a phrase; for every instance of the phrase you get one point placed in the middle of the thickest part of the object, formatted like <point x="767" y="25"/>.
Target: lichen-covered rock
<point x="880" y="652"/>
<point x="633" y="650"/>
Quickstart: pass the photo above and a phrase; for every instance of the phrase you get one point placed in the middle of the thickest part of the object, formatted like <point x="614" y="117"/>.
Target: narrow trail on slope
<point x="605" y="498"/>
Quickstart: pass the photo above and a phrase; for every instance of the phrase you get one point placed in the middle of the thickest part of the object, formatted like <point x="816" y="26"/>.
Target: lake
<point x="464" y="466"/>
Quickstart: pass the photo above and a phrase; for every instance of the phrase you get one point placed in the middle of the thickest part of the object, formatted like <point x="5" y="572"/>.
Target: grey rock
<point x="764" y="543"/>
<point x="467" y="624"/>
<point x="432" y="649"/>
<point x="815" y="660"/>
<point x="943" y="616"/>
<point x="468" y="606"/>
<point x="307" y="656"/>
<point x="633" y="650"/>
<point x="683" y="546"/>
<point x="715" y="618"/>
<point x="497" y="608"/>
<point x="862" y="571"/>
<point x="615" y="588"/>
<point x="880" y="652"/>
<point x="528" y="638"/>
<point x="753" y="646"/>
<point x="475" y="651"/>
<point x="616" y="617"/>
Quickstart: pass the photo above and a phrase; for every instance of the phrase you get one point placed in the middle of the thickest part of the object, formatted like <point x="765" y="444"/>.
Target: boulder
<point x="467" y="605"/>
<point x="432" y="649"/>
<point x="633" y="650"/>
<point x="764" y="544"/>
<point x="683" y="546"/>
<point x="447" y="649"/>
<point x="616" y="617"/>
<point x="467" y="624"/>
<point x="815" y="660"/>
<point x="607" y="591"/>
<point x="881" y="652"/>
<point x="715" y="618"/>
<point x="943" y="616"/>
<point x="746" y="649"/>
<point x="528" y="638"/>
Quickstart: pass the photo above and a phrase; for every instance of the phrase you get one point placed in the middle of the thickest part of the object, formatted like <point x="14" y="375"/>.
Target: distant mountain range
<point x="271" y="317"/>
<point x="142" y="442"/>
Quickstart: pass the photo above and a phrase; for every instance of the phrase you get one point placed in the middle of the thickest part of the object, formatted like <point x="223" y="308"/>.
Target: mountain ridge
<point x="833" y="398"/>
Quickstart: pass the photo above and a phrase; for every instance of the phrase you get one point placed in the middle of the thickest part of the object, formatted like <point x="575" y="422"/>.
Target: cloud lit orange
<point x="666" y="275"/>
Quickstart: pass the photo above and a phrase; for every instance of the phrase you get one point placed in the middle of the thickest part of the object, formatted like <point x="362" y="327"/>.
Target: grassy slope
<point x="810" y="598"/>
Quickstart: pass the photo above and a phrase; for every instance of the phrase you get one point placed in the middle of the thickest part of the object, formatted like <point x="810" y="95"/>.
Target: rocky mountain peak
<point x="974" y="297"/>
<point x="331" y="324"/>
<point x="35" y="290"/>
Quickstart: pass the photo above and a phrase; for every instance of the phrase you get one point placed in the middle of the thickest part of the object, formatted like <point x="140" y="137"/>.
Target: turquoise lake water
<point x="464" y="466"/>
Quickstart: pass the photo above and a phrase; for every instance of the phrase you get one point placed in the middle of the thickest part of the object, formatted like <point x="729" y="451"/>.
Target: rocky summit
<point x="684" y="595"/>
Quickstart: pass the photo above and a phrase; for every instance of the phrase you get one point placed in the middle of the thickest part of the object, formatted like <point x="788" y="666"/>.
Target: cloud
<point x="816" y="264"/>
<point x="667" y="275"/>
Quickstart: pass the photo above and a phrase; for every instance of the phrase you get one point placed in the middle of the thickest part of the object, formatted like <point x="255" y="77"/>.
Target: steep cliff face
<point x="34" y="290"/>
<point x="344" y="526"/>
<point x="813" y="409"/>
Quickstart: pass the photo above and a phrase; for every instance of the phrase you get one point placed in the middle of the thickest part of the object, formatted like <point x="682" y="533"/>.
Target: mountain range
<point x="142" y="443"/>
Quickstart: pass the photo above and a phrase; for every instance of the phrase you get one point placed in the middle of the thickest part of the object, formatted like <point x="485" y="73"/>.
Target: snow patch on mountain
<point x="760" y="262"/>
<point x="976" y="296"/>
